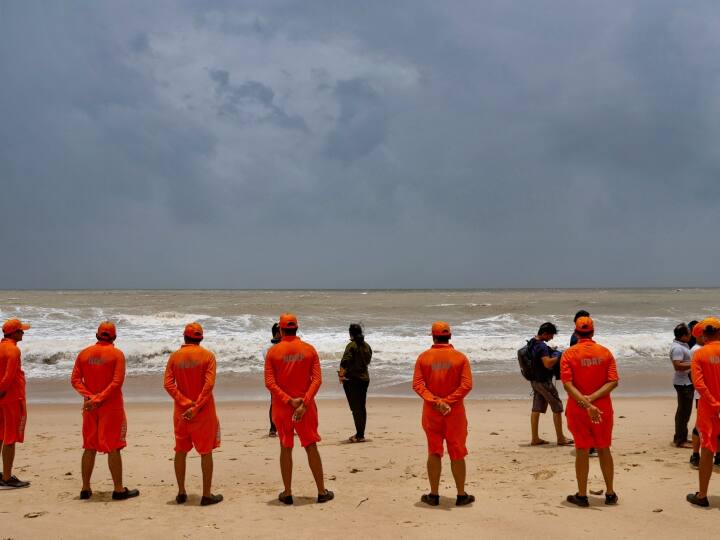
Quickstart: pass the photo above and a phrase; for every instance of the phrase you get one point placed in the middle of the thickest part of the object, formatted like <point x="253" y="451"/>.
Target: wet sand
<point x="520" y="489"/>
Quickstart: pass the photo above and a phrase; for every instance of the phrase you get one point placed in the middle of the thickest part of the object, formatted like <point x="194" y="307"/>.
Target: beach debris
<point x="34" y="514"/>
<point x="543" y="474"/>
<point x="68" y="474"/>
<point x="493" y="433"/>
<point x="597" y="491"/>
<point x="333" y="477"/>
<point x="353" y="470"/>
<point x="621" y="416"/>
<point x="657" y="510"/>
<point x="362" y="501"/>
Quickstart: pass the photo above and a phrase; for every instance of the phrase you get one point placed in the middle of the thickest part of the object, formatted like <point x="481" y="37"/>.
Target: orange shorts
<point x="13" y="416"/>
<point x="708" y="424"/>
<point x="306" y="428"/>
<point x="451" y="428"/>
<point x="586" y="434"/>
<point x="202" y="432"/>
<point x="104" y="430"/>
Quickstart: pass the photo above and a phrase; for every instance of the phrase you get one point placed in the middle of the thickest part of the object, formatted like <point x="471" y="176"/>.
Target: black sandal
<point x="325" y="497"/>
<point x="430" y="499"/>
<point x="578" y="500"/>
<point x="181" y="498"/>
<point x="285" y="499"/>
<point x="611" y="498"/>
<point x="463" y="500"/>
<point x="85" y="494"/>
<point x="212" y="499"/>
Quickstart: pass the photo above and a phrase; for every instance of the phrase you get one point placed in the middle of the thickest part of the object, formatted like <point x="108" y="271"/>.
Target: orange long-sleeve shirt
<point x="588" y="366"/>
<point x="292" y="370"/>
<point x="706" y="376"/>
<point x="12" y="377"/>
<point x="99" y="374"/>
<point x="442" y="373"/>
<point x="190" y="377"/>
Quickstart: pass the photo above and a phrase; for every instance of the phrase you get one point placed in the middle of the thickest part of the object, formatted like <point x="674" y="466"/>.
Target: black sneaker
<point x="611" y="498"/>
<point x="695" y="460"/>
<point x="578" y="500"/>
<point x="85" y="494"/>
<point x="463" y="500"/>
<point x="693" y="498"/>
<point x="13" y="483"/>
<point x="325" y="497"/>
<point x="212" y="499"/>
<point x="127" y="494"/>
<point x="430" y="499"/>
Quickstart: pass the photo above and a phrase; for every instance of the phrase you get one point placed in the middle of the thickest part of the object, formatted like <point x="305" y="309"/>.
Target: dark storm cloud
<point x="346" y="144"/>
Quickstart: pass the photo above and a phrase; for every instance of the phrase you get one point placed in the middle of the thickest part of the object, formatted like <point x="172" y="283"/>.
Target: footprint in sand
<point x="543" y="474"/>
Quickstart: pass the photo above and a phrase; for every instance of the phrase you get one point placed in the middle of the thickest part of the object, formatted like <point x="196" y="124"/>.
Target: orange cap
<point x="107" y="330"/>
<point x="193" y="330"/>
<point x="440" y="328"/>
<point x="288" y="320"/>
<point x="699" y="328"/>
<point x="13" y="325"/>
<point x="584" y="324"/>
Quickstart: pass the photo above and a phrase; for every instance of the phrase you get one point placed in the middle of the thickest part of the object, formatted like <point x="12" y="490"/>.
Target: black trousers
<point x="356" y="393"/>
<point x="685" y="395"/>
<point x="272" y="424"/>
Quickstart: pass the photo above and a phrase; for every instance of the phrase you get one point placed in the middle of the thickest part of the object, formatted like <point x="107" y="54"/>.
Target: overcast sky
<point x="229" y="144"/>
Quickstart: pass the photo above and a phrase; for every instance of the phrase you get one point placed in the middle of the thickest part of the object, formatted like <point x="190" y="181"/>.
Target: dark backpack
<point x="525" y="359"/>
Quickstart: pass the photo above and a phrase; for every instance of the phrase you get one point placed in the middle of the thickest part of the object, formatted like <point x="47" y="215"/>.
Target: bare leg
<point x="557" y="420"/>
<point x="206" y="464"/>
<point x="458" y="471"/>
<point x="8" y="457"/>
<point x="180" y="465"/>
<point x="286" y="467"/>
<point x="316" y="467"/>
<point x="115" y="466"/>
<point x="534" y="426"/>
<point x="706" y="469"/>
<point x="434" y="468"/>
<point x="695" y="441"/>
<point x="608" y="468"/>
<point x="87" y="464"/>
<point x="582" y="468"/>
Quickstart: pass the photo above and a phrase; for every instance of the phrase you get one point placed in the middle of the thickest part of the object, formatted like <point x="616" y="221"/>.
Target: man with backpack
<point x="543" y="364"/>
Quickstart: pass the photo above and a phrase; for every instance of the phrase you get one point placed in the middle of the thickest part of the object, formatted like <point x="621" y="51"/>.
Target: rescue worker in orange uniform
<point x="706" y="378"/>
<point x="189" y="379"/>
<point x="589" y="373"/>
<point x="442" y="379"/>
<point x="13" y="411"/>
<point x="293" y="377"/>
<point x="98" y="376"/>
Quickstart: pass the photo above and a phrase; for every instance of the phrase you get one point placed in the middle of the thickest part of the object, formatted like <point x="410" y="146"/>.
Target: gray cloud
<point x="340" y="144"/>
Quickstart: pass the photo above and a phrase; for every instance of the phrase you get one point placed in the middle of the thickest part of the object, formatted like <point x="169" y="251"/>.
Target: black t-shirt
<point x="540" y="372"/>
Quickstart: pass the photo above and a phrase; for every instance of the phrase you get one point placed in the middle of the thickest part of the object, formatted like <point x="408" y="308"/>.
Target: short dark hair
<point x="442" y="339"/>
<point x="581" y="313"/>
<point x="692" y="324"/>
<point x="711" y="331"/>
<point x="547" y="328"/>
<point x="355" y="330"/>
<point x="275" y="329"/>
<point x="583" y="335"/>
<point x="289" y="331"/>
<point x="681" y="330"/>
<point x="192" y="341"/>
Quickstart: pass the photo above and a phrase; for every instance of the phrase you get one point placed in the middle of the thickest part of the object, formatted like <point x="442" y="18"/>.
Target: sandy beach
<point x="520" y="490"/>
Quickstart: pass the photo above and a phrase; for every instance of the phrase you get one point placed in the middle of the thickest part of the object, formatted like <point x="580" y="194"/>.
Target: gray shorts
<point x="545" y="393"/>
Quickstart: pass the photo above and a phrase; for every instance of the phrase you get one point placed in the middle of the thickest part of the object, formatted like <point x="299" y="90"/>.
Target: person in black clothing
<point x="275" y="339"/>
<point x="354" y="377"/>
<point x="544" y="360"/>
